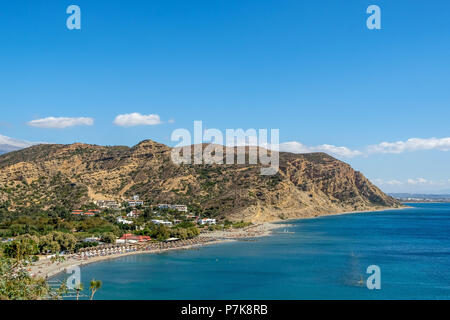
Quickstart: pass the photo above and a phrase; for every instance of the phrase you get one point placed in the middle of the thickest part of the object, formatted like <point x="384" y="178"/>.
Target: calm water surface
<point x="325" y="258"/>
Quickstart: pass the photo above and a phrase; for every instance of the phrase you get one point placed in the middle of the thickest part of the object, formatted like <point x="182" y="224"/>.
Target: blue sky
<point x="309" y="68"/>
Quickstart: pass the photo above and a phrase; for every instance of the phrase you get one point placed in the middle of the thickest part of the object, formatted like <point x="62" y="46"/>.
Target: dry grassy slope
<point x="70" y="175"/>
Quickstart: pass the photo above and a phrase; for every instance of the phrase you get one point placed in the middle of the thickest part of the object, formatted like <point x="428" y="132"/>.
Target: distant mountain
<point x="306" y="185"/>
<point x="5" y="148"/>
<point x="8" y="144"/>
<point x="417" y="197"/>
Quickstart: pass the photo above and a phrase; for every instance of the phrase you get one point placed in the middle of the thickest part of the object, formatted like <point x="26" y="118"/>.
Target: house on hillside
<point x="91" y="239"/>
<point x="206" y="221"/>
<point x="133" y="214"/>
<point x="135" y="202"/>
<point x="87" y="213"/>
<point x="178" y="207"/>
<point x="165" y="223"/>
<point x="124" y="221"/>
<point x="108" y="204"/>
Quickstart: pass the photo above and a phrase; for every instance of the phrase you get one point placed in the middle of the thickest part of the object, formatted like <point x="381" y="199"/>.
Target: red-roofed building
<point x="132" y="237"/>
<point x="87" y="213"/>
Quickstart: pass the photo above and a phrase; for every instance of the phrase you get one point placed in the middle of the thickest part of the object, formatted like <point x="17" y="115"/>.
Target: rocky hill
<point x="71" y="175"/>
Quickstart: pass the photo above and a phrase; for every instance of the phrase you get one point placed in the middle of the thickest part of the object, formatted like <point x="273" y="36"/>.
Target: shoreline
<point x="46" y="270"/>
<point x="53" y="270"/>
<point x="323" y="215"/>
<point x="366" y="211"/>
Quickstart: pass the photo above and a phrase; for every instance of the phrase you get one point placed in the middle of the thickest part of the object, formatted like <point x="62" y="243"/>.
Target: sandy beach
<point x="45" y="268"/>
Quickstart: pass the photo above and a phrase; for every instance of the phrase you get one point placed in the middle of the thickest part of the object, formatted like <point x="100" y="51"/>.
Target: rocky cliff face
<point x="70" y="175"/>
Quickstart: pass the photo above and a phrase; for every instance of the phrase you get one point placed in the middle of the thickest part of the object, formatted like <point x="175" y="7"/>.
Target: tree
<point x="94" y="286"/>
<point x="79" y="287"/>
<point x="17" y="284"/>
<point x="21" y="248"/>
<point x="160" y="232"/>
<point x="66" y="241"/>
<point x="57" y="258"/>
<point x="15" y="281"/>
<point x="56" y="242"/>
<point x="108" y="237"/>
<point x="48" y="245"/>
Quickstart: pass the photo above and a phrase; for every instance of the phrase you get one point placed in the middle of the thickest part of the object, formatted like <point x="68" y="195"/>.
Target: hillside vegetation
<point x="70" y="176"/>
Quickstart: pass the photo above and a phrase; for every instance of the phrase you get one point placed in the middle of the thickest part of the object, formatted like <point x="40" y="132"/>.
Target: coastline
<point x="323" y="215"/>
<point x="46" y="269"/>
<point x="365" y="211"/>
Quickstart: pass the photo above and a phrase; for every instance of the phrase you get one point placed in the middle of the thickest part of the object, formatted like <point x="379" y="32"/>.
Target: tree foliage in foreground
<point x="15" y="280"/>
<point x="16" y="283"/>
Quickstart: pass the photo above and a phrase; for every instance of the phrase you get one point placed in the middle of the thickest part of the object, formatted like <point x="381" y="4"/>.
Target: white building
<point x="133" y="214"/>
<point x="166" y="223"/>
<point x="178" y="207"/>
<point x="206" y="221"/>
<point x="135" y="203"/>
<point x="124" y="221"/>
<point x="108" y="204"/>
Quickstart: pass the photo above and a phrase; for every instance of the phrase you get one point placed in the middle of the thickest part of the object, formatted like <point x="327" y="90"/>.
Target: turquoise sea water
<point x="325" y="258"/>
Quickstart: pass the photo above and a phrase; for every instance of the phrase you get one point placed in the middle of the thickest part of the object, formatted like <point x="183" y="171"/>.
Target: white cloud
<point x="137" y="119"/>
<point x="419" y="181"/>
<point x="381" y="182"/>
<point x="411" y="182"/>
<point x="394" y="182"/>
<point x="413" y="144"/>
<point x="414" y="185"/>
<point x="297" y="147"/>
<point x="60" y="122"/>
<point x="377" y="181"/>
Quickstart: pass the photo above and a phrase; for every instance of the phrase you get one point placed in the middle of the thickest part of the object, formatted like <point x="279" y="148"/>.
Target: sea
<point x="392" y="254"/>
